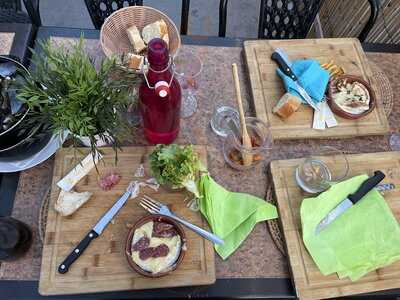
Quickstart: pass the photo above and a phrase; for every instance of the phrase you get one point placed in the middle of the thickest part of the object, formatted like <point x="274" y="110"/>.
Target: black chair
<point x="99" y="10"/>
<point x="11" y="12"/>
<point x="290" y="19"/>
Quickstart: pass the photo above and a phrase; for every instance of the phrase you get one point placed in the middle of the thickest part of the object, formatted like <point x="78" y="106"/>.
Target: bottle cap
<point x="162" y="88"/>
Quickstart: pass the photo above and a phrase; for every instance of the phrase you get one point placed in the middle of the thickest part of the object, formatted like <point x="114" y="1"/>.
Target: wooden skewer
<point x="246" y="141"/>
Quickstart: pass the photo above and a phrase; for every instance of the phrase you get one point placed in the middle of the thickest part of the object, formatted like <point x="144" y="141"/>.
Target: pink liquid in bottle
<point x="160" y="105"/>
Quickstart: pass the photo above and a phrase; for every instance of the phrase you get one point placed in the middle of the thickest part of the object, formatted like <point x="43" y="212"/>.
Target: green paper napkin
<point x="364" y="238"/>
<point x="231" y="216"/>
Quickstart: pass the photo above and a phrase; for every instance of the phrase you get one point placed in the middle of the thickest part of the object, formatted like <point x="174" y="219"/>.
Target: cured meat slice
<point x="163" y="230"/>
<point x="141" y="244"/>
<point x="159" y="251"/>
<point x="146" y="253"/>
<point x="107" y="182"/>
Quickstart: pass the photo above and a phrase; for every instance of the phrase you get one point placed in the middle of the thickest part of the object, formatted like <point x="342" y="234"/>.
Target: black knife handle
<point x="366" y="186"/>
<point x="78" y="250"/>
<point x="283" y="66"/>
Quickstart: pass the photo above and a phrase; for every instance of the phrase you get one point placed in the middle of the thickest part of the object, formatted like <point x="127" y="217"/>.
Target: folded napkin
<point x="364" y="238"/>
<point x="231" y="216"/>
<point x="312" y="77"/>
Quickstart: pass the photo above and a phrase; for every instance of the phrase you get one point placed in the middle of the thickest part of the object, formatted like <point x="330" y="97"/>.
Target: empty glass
<point x="221" y="121"/>
<point x="322" y="169"/>
<point x="188" y="67"/>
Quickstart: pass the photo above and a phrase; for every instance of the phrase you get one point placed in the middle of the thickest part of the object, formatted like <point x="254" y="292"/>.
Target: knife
<point x="284" y="66"/>
<point x="94" y="233"/>
<point x="351" y="199"/>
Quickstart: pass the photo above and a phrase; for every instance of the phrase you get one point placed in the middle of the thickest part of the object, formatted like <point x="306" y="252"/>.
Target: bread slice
<point x="135" y="61"/>
<point x="286" y="106"/>
<point x="135" y="39"/>
<point x="158" y="29"/>
<point x="69" y="202"/>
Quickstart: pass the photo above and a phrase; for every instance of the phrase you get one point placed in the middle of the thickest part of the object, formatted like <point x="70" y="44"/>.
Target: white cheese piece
<point x="77" y="173"/>
<point x="69" y="202"/>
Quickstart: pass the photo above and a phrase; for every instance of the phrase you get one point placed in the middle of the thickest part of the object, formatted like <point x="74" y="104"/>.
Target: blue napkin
<point x="312" y="77"/>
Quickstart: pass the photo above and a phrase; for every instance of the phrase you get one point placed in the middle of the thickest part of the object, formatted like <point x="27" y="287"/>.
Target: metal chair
<point x="290" y="19"/>
<point x="11" y="12"/>
<point x="99" y="10"/>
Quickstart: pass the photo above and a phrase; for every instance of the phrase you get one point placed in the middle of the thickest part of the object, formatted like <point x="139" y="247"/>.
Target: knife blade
<point x="351" y="200"/>
<point x="96" y="231"/>
<point x="285" y="68"/>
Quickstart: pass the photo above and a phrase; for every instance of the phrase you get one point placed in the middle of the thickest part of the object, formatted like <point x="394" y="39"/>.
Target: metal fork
<point x="155" y="207"/>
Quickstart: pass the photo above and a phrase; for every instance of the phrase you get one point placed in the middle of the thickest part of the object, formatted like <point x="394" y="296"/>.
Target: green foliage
<point x="176" y="166"/>
<point x="65" y="91"/>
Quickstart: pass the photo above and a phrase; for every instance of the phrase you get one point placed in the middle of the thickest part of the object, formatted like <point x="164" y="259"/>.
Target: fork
<point x="155" y="207"/>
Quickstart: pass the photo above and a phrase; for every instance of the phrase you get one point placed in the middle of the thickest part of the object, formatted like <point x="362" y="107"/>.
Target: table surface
<point x="265" y="273"/>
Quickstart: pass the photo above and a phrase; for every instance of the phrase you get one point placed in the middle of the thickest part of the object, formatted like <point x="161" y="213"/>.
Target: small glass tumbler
<point x="261" y="140"/>
<point x="322" y="169"/>
<point x="222" y="119"/>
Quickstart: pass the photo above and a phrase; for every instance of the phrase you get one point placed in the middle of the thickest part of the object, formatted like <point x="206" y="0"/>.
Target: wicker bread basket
<point x="113" y="37"/>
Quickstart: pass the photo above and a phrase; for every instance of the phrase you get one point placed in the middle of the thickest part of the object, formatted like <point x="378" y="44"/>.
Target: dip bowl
<point x="336" y="108"/>
<point x="128" y="245"/>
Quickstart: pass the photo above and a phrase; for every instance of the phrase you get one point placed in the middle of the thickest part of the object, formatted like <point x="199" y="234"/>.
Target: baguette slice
<point x="158" y="29"/>
<point x="135" y="39"/>
<point x="286" y="106"/>
<point x="135" y="61"/>
<point x="69" y="202"/>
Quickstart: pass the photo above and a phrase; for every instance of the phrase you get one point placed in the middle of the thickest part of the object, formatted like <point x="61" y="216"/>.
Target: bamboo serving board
<point x="309" y="281"/>
<point x="267" y="87"/>
<point x="103" y="266"/>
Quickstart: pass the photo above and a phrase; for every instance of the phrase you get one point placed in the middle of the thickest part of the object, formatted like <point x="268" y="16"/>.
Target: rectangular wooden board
<point x="103" y="266"/>
<point x="309" y="281"/>
<point x="267" y="87"/>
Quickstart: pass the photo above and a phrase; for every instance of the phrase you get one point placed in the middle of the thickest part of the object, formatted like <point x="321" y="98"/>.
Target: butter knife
<point x="96" y="231"/>
<point x="351" y="200"/>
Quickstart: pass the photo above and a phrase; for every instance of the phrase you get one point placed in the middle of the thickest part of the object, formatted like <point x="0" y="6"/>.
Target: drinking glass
<point x="188" y="67"/>
<point x="323" y="168"/>
<point x="394" y="141"/>
<point x="221" y="121"/>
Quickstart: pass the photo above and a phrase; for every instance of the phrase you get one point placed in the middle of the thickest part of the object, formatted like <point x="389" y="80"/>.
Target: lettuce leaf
<point x="176" y="166"/>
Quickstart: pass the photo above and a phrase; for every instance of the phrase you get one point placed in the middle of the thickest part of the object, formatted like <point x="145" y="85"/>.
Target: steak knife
<point x="282" y="62"/>
<point x="93" y="233"/>
<point x="351" y="200"/>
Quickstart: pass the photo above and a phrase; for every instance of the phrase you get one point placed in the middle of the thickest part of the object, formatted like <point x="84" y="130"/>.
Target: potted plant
<point x="67" y="91"/>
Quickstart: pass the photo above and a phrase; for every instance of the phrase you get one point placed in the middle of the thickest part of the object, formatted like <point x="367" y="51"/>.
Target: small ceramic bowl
<point x="340" y="112"/>
<point x="128" y="245"/>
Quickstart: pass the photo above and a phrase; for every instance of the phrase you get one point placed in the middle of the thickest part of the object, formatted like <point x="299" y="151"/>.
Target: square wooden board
<point x="309" y="281"/>
<point x="267" y="87"/>
<point x="103" y="266"/>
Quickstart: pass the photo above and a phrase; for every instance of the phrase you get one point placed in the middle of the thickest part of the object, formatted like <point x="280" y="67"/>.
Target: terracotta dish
<point x="128" y="245"/>
<point x="337" y="109"/>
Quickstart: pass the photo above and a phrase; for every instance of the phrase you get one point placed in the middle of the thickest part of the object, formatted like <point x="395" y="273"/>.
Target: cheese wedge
<point x="69" y="202"/>
<point x="80" y="170"/>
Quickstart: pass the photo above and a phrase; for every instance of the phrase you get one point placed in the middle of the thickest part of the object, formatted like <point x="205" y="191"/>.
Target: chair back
<point x="99" y="10"/>
<point x="287" y="19"/>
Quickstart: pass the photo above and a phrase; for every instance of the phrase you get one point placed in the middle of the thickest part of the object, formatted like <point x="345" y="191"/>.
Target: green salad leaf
<point x="176" y="166"/>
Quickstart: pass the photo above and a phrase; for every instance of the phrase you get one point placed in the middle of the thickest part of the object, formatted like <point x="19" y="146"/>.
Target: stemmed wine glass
<point x="188" y="67"/>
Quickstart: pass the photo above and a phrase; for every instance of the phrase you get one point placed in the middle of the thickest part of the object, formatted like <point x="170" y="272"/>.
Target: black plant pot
<point x="12" y="137"/>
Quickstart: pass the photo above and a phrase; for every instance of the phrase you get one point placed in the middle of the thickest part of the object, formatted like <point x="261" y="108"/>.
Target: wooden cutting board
<point x="267" y="86"/>
<point x="309" y="281"/>
<point x="103" y="266"/>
